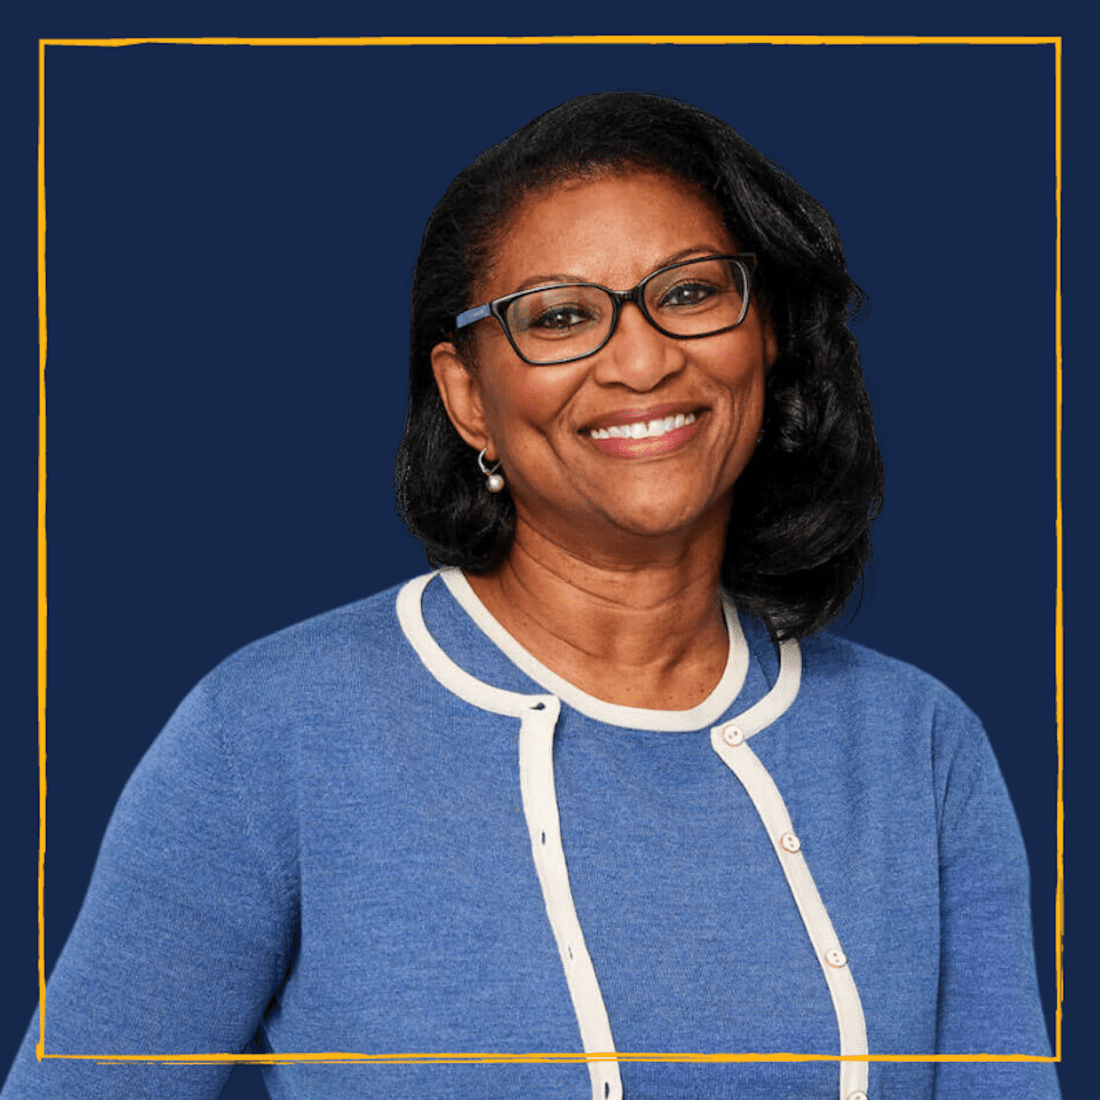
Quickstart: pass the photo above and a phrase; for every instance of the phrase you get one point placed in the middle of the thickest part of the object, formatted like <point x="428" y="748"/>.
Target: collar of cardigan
<point x="762" y="713"/>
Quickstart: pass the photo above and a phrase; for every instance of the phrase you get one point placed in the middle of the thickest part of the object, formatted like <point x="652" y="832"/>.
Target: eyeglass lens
<point x="695" y="298"/>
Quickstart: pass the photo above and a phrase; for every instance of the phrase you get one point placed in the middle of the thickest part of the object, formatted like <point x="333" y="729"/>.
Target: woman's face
<point x="547" y="425"/>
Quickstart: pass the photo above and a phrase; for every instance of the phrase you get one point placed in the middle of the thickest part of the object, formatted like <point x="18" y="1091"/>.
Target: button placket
<point x="772" y="810"/>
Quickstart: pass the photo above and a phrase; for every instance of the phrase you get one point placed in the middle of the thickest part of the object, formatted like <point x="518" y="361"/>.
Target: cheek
<point x="522" y="401"/>
<point x="510" y="396"/>
<point x="742" y="373"/>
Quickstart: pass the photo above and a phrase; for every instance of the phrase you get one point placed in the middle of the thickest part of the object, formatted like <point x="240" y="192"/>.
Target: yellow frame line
<point x="576" y="40"/>
<point x="795" y="40"/>
<point x="540" y="1056"/>
<point x="41" y="1045"/>
<point x="1059" y="622"/>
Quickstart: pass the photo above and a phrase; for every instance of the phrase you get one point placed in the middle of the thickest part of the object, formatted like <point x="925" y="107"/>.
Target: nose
<point x="637" y="355"/>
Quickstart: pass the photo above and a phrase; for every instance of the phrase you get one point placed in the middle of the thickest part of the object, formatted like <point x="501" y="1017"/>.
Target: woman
<point x="601" y="784"/>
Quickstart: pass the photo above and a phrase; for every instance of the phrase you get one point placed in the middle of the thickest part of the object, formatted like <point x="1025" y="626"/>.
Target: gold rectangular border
<point x="651" y="40"/>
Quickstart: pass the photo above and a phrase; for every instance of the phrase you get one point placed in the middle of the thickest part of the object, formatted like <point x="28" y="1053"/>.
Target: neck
<point x="639" y="633"/>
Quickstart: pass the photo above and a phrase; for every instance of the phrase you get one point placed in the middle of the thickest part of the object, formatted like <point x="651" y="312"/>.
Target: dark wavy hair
<point x="799" y="529"/>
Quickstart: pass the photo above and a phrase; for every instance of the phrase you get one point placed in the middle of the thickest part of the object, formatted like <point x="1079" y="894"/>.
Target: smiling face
<point x="646" y="437"/>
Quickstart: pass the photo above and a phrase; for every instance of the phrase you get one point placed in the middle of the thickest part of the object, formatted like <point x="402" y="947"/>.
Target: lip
<point x="618" y="447"/>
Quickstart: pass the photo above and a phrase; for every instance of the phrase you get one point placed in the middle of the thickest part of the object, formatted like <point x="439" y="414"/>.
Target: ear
<point x="461" y="394"/>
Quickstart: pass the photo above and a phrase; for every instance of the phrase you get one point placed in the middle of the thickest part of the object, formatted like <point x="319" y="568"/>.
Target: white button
<point x="835" y="957"/>
<point x="857" y="1095"/>
<point x="733" y="735"/>
<point x="790" y="842"/>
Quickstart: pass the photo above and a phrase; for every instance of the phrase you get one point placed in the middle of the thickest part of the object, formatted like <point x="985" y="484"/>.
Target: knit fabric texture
<point x="326" y="851"/>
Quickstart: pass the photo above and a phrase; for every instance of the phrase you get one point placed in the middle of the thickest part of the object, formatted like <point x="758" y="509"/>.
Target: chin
<point x="661" y="521"/>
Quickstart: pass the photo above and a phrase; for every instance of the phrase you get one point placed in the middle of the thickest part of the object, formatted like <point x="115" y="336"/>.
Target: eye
<point x="691" y="293"/>
<point x="556" y="313"/>
<point x="560" y="319"/>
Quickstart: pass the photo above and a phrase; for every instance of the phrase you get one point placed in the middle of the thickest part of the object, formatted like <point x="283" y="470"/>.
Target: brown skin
<point x="613" y="577"/>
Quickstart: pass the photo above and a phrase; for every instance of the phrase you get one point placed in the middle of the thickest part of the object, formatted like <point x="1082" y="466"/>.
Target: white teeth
<point x="640" y="430"/>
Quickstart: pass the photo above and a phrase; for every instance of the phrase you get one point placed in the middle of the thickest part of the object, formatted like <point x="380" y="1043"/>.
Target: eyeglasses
<point x="569" y="321"/>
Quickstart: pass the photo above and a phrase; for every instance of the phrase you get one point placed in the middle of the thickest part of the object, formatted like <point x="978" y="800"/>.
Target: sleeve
<point x="988" y="991"/>
<point x="184" y="937"/>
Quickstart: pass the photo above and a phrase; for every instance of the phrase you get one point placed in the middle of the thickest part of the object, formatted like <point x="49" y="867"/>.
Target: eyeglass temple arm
<point x="472" y="315"/>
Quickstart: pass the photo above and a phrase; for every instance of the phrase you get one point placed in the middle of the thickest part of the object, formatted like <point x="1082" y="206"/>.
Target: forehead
<point x="612" y="229"/>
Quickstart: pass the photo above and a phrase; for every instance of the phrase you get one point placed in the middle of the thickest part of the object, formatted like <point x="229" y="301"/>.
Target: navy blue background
<point x="231" y="236"/>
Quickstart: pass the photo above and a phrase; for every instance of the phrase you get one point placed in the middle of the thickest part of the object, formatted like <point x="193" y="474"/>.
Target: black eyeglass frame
<point x="746" y="261"/>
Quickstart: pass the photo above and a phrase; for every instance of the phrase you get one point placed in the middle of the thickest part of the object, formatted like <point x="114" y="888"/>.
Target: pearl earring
<point x="494" y="482"/>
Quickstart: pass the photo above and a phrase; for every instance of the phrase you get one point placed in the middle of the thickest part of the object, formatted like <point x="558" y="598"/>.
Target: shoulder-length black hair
<point x="799" y="529"/>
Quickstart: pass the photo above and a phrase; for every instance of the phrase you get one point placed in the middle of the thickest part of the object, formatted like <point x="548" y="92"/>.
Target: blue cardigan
<point x="390" y="830"/>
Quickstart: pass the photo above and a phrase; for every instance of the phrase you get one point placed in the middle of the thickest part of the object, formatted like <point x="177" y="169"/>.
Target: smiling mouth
<point x="652" y="429"/>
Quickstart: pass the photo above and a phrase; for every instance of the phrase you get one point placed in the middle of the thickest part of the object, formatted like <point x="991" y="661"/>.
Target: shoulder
<point x="360" y="638"/>
<point x="845" y="671"/>
<point x="892" y="715"/>
<point x="311" y="680"/>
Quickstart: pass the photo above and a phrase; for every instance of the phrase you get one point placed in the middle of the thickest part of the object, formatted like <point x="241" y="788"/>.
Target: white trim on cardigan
<point x="612" y="714"/>
<point x="730" y="741"/>
<point x="540" y="808"/>
<point x="538" y="716"/>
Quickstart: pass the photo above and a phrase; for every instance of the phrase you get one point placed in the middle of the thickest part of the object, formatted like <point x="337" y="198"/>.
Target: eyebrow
<point x="702" y="251"/>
